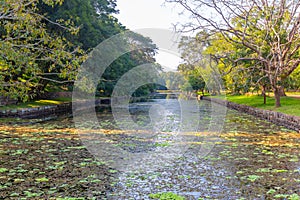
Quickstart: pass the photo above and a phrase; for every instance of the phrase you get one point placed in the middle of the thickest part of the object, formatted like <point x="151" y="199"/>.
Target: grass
<point x="37" y="103"/>
<point x="289" y="105"/>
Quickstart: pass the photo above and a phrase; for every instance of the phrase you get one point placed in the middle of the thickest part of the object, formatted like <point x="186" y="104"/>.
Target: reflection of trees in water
<point x="171" y="96"/>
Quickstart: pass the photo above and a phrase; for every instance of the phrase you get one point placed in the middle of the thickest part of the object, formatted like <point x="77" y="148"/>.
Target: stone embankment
<point x="38" y="112"/>
<point x="50" y="110"/>
<point x="61" y="109"/>
<point x="288" y="121"/>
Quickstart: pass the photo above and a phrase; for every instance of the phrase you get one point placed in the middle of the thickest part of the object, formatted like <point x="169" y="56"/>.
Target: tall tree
<point x="197" y="67"/>
<point x="97" y="23"/>
<point x="269" y="29"/>
<point x="127" y="62"/>
<point x="239" y="77"/>
<point x="94" y="17"/>
<point x="26" y="44"/>
<point x="174" y="80"/>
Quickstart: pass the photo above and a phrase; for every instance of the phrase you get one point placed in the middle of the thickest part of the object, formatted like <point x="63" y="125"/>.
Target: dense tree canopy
<point x="128" y="61"/>
<point x="94" y="17"/>
<point x="174" y="80"/>
<point x="198" y="69"/>
<point x="29" y="51"/>
<point x="44" y="42"/>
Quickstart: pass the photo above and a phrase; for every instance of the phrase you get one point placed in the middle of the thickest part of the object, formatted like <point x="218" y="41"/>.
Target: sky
<point x="139" y="14"/>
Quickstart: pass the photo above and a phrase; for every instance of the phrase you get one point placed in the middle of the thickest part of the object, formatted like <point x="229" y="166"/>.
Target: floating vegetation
<point x="166" y="196"/>
<point x="252" y="159"/>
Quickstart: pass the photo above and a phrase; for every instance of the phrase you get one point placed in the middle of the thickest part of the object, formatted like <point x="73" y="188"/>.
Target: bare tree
<point x="269" y="29"/>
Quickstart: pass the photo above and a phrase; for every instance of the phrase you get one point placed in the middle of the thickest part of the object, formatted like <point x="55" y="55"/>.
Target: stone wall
<point x="289" y="121"/>
<point x="46" y="111"/>
<point x="4" y="101"/>
<point x="39" y="112"/>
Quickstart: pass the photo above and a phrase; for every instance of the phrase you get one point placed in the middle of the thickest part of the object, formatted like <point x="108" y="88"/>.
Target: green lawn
<point x="37" y="103"/>
<point x="289" y="106"/>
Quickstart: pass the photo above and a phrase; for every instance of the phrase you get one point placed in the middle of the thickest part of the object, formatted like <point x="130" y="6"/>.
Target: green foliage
<point x="239" y="77"/>
<point x="94" y="17"/>
<point x="166" y="196"/>
<point x="290" y="106"/>
<point x="43" y="179"/>
<point x="3" y="170"/>
<point x="144" y="54"/>
<point x="44" y="42"/>
<point x="294" y="197"/>
<point x="29" y="52"/>
<point x="37" y="103"/>
<point x="196" y="81"/>
<point x="253" y="178"/>
<point x="271" y="191"/>
<point x="97" y="23"/>
<point x="256" y="46"/>
<point x="174" y="80"/>
<point x="198" y="69"/>
<point x="293" y="81"/>
<point x="32" y="194"/>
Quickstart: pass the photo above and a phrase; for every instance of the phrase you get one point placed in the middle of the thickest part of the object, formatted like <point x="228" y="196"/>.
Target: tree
<point x="293" y="81"/>
<point x="174" y="80"/>
<point x="94" y="17"/>
<point x="197" y="67"/>
<point x="239" y="77"/>
<point x="128" y="61"/>
<point x="193" y="78"/>
<point x="97" y="23"/>
<point x="29" y="53"/>
<point x="268" y="29"/>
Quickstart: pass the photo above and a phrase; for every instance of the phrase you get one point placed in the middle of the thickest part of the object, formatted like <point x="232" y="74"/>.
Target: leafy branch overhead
<point x="43" y="42"/>
<point x="28" y="50"/>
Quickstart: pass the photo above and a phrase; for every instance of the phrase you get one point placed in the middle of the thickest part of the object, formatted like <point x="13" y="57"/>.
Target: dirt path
<point x="294" y="96"/>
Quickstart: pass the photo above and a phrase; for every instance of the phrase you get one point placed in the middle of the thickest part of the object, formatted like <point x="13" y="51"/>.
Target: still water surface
<point x="197" y="153"/>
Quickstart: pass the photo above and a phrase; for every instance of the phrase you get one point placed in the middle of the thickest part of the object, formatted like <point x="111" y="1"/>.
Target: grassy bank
<point x="290" y="105"/>
<point x="37" y="103"/>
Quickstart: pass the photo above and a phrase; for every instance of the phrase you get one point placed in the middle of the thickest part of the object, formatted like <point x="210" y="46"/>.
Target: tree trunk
<point x="264" y="94"/>
<point x="277" y="97"/>
<point x="281" y="91"/>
